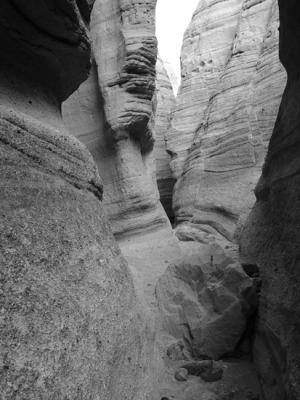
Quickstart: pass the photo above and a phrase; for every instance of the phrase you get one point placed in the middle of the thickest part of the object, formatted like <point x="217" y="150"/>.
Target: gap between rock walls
<point x="136" y="262"/>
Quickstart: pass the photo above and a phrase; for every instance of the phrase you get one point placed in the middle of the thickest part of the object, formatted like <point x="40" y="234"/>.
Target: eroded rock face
<point x="206" y="302"/>
<point x="116" y="103"/>
<point x="271" y="235"/>
<point x="125" y="48"/>
<point x="165" y="100"/>
<point x="69" y="322"/>
<point x="225" y="111"/>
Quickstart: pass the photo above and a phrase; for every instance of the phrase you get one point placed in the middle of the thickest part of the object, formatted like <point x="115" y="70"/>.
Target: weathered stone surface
<point x="111" y="113"/>
<point x="53" y="36"/>
<point x="131" y="198"/>
<point x="205" y="51"/>
<point x="270" y="238"/>
<point x="165" y="100"/>
<point x="125" y="49"/>
<point x="69" y="322"/>
<point x="225" y="111"/>
<point x="205" y="302"/>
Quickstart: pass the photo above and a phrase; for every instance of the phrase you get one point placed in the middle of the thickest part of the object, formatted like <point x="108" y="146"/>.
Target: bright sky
<point x="172" y="19"/>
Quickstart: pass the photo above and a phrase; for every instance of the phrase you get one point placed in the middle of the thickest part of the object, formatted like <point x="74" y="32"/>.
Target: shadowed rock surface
<point x="270" y="238"/>
<point x="225" y="111"/>
<point x="69" y="325"/>
<point x="206" y="302"/>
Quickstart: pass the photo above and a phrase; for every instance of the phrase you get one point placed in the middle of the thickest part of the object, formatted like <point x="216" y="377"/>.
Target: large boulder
<point x="206" y="302"/>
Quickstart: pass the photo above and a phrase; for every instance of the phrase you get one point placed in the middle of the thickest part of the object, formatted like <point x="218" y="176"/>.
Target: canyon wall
<point x="70" y="325"/>
<point x="115" y="123"/>
<point x="231" y="87"/>
<point x="270" y="237"/>
<point x="165" y="101"/>
<point x="118" y="123"/>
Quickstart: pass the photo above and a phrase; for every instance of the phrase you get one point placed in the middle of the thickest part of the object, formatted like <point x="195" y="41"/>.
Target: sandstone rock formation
<point x="76" y="321"/>
<point x="117" y="129"/>
<point x="125" y="163"/>
<point x="165" y="100"/>
<point x="225" y="111"/>
<point x="270" y="238"/>
<point x="69" y="322"/>
<point x="206" y="302"/>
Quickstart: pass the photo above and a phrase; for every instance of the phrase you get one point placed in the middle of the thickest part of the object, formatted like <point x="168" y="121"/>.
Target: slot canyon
<point x="148" y="236"/>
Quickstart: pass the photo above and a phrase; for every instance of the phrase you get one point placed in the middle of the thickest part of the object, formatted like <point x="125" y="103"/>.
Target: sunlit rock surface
<point x="70" y="326"/>
<point x="225" y="112"/>
<point x="270" y="238"/>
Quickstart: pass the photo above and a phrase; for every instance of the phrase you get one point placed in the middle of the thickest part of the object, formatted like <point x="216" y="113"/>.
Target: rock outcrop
<point x="270" y="238"/>
<point x="225" y="111"/>
<point x="116" y="121"/>
<point x="165" y="101"/>
<point x="70" y="327"/>
<point x="206" y="302"/>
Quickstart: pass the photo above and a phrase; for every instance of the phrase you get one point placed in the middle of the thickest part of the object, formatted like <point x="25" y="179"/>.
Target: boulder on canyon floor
<point x="205" y="302"/>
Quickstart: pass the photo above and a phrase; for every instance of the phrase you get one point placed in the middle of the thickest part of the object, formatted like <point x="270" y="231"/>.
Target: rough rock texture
<point x="116" y="123"/>
<point x="111" y="113"/>
<point x="125" y="49"/>
<point x="165" y="100"/>
<point x="270" y="238"/>
<point x="206" y="302"/>
<point x="69" y="326"/>
<point x="225" y="111"/>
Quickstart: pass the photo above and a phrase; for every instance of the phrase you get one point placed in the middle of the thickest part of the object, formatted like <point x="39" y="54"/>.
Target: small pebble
<point x="181" y="375"/>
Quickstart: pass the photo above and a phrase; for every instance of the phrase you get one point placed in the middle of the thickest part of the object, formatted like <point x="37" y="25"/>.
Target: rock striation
<point x="270" y="237"/>
<point x="70" y="325"/>
<point x="165" y="101"/>
<point x="112" y="113"/>
<point x="225" y="111"/>
<point x="125" y="162"/>
<point x="123" y="34"/>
